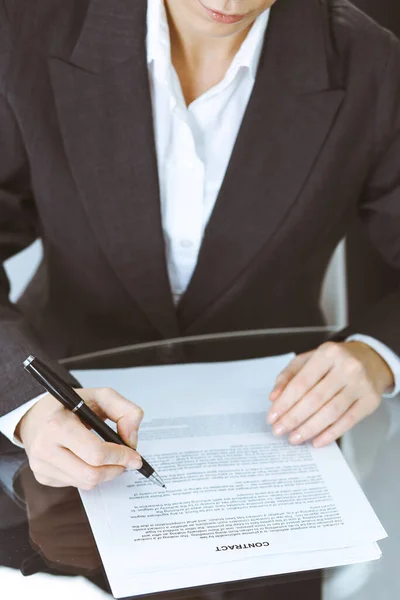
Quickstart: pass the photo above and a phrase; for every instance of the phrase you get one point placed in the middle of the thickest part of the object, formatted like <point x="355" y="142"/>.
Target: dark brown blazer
<point x="320" y="142"/>
<point x="369" y="277"/>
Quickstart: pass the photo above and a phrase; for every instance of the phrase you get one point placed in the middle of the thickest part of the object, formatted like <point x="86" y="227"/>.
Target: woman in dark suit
<point x="190" y="166"/>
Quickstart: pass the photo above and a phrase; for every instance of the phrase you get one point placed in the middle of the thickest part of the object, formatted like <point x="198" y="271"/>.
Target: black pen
<point x="68" y="397"/>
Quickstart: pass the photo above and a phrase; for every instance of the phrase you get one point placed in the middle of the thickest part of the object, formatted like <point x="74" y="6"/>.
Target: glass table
<point x="46" y="545"/>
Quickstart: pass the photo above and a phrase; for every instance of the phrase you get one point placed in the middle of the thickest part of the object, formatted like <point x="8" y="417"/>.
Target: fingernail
<point x="272" y="417"/>
<point x="133" y="439"/>
<point x="279" y="430"/>
<point x="134" y="464"/>
<point x="296" y="438"/>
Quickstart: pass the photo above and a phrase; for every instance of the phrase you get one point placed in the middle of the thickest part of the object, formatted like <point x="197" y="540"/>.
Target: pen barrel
<point x="99" y="426"/>
<point x="108" y="434"/>
<point x="53" y="385"/>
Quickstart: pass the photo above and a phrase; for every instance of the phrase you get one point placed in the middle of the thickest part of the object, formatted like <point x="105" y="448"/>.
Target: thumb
<point x="119" y="409"/>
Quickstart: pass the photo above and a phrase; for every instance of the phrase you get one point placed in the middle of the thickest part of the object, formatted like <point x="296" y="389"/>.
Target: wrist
<point x="22" y="428"/>
<point x="19" y="432"/>
<point x="377" y="368"/>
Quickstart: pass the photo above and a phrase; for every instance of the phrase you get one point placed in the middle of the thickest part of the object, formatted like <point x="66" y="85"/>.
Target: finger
<point x="356" y="413"/>
<point x="312" y="372"/>
<point x="50" y="476"/>
<point x="330" y="413"/>
<point x="288" y="373"/>
<point x="91" y="449"/>
<point x="122" y="411"/>
<point x="83" y="474"/>
<point x="310" y="404"/>
<point x="50" y="482"/>
<point x="69" y="470"/>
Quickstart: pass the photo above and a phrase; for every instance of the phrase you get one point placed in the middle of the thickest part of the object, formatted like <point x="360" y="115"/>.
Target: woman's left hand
<point x="325" y="392"/>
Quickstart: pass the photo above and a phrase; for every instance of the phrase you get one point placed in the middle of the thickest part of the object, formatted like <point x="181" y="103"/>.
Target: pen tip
<point x="157" y="479"/>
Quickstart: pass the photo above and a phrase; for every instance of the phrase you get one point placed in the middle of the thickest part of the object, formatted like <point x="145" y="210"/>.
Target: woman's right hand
<point x="64" y="452"/>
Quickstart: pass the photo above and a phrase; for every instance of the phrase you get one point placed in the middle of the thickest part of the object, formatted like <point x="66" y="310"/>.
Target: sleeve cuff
<point x="390" y="357"/>
<point x="9" y="422"/>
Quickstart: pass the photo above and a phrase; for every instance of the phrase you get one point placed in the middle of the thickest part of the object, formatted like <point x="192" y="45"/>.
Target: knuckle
<point x="331" y="349"/>
<point x="96" y="456"/>
<point x="91" y="477"/>
<point x="123" y="456"/>
<point x="54" y="427"/>
<point x="68" y="427"/>
<point x="349" y="420"/>
<point x="315" y="400"/>
<point x="282" y="407"/>
<point x="291" y="422"/>
<point x="105" y="392"/>
<point x="139" y="413"/>
<point x="354" y="368"/>
<point x="300" y="386"/>
<point x="334" y="412"/>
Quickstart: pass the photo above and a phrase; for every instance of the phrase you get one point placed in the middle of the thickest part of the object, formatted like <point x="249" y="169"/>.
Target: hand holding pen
<point x="61" y="449"/>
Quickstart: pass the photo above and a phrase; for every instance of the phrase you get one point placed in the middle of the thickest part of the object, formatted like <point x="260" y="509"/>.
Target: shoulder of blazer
<point x="357" y="37"/>
<point x="370" y="54"/>
<point x="40" y="26"/>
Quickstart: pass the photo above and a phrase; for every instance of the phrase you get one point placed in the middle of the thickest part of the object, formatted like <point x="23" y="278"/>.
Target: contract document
<point x="239" y="502"/>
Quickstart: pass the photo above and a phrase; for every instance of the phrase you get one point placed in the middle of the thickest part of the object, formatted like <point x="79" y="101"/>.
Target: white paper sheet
<point x="135" y="584"/>
<point x="236" y="495"/>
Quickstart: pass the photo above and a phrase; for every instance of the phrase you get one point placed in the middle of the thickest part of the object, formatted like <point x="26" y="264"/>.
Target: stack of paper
<point x="239" y="503"/>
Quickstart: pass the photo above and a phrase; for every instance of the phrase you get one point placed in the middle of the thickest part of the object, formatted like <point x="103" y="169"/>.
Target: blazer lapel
<point x="289" y="116"/>
<point x="104" y="109"/>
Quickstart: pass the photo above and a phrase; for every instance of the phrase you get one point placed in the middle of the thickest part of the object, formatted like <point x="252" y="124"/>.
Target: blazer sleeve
<point x="379" y="208"/>
<point x="18" y="229"/>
